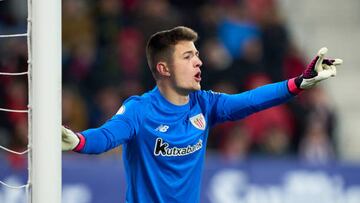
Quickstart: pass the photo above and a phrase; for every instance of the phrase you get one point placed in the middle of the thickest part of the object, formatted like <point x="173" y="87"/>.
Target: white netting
<point x="14" y="187"/>
<point x="14" y="74"/>
<point x="27" y="34"/>
<point x="14" y="35"/>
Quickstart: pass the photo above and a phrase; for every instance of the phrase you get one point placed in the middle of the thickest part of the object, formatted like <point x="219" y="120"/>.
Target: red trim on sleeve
<point x="81" y="144"/>
<point x="292" y="87"/>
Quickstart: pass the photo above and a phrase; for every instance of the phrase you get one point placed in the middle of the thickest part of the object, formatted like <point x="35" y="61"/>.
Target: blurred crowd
<point x="243" y="44"/>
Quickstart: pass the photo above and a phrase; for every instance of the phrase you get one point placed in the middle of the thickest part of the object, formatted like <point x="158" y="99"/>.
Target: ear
<point x="163" y="69"/>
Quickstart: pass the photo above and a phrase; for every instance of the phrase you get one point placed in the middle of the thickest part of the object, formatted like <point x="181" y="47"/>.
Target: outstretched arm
<point x="97" y="140"/>
<point x="234" y="107"/>
<point x="116" y="131"/>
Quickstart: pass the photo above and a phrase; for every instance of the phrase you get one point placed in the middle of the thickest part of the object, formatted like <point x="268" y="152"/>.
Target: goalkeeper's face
<point x="185" y="73"/>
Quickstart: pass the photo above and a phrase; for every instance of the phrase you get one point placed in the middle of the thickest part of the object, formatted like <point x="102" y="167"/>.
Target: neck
<point x="172" y="95"/>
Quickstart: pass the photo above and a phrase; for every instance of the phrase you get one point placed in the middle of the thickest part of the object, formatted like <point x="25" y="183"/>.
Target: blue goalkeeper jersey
<point x="164" y="144"/>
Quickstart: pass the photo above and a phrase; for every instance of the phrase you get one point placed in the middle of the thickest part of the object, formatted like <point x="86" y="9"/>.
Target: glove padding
<point x="69" y="140"/>
<point x="319" y="69"/>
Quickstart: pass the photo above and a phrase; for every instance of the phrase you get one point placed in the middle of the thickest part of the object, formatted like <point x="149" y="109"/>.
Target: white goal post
<point x="45" y="101"/>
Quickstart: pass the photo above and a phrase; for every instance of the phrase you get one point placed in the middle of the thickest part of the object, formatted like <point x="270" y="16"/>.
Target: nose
<point x="198" y="62"/>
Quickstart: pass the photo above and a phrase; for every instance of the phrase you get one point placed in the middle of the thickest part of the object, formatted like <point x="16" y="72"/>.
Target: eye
<point x="187" y="57"/>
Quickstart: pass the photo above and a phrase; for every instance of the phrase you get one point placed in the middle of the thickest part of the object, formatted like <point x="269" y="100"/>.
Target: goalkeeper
<point x="164" y="131"/>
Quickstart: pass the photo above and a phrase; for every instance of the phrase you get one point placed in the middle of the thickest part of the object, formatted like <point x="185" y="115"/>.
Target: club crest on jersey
<point x="198" y="121"/>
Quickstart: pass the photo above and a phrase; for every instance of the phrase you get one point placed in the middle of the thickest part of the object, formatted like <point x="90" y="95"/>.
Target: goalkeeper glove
<point x="319" y="69"/>
<point x="70" y="140"/>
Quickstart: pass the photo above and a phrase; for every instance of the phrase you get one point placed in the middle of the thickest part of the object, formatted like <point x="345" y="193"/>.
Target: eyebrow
<point x="191" y="52"/>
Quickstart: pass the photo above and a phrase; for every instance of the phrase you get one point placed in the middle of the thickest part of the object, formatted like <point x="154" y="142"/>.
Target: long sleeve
<point x="118" y="130"/>
<point x="237" y="106"/>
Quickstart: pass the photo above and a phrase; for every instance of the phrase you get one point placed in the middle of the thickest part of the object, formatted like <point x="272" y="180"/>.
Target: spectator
<point x="74" y="111"/>
<point x="317" y="142"/>
<point x="236" y="145"/>
<point x="270" y="130"/>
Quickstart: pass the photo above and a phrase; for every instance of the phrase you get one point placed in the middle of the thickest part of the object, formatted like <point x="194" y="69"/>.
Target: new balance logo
<point x="162" y="128"/>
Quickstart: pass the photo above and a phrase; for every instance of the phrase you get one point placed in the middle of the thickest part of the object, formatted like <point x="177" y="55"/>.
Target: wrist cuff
<point x="81" y="144"/>
<point x="292" y="87"/>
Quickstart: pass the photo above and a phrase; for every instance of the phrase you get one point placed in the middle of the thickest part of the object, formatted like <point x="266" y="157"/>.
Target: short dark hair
<point x="161" y="45"/>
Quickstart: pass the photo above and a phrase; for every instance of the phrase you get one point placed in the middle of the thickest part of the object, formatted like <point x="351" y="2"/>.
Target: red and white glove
<point x="70" y="140"/>
<point x="319" y="69"/>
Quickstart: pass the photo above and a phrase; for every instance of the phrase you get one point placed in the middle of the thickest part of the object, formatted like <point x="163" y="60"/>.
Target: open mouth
<point x="198" y="77"/>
